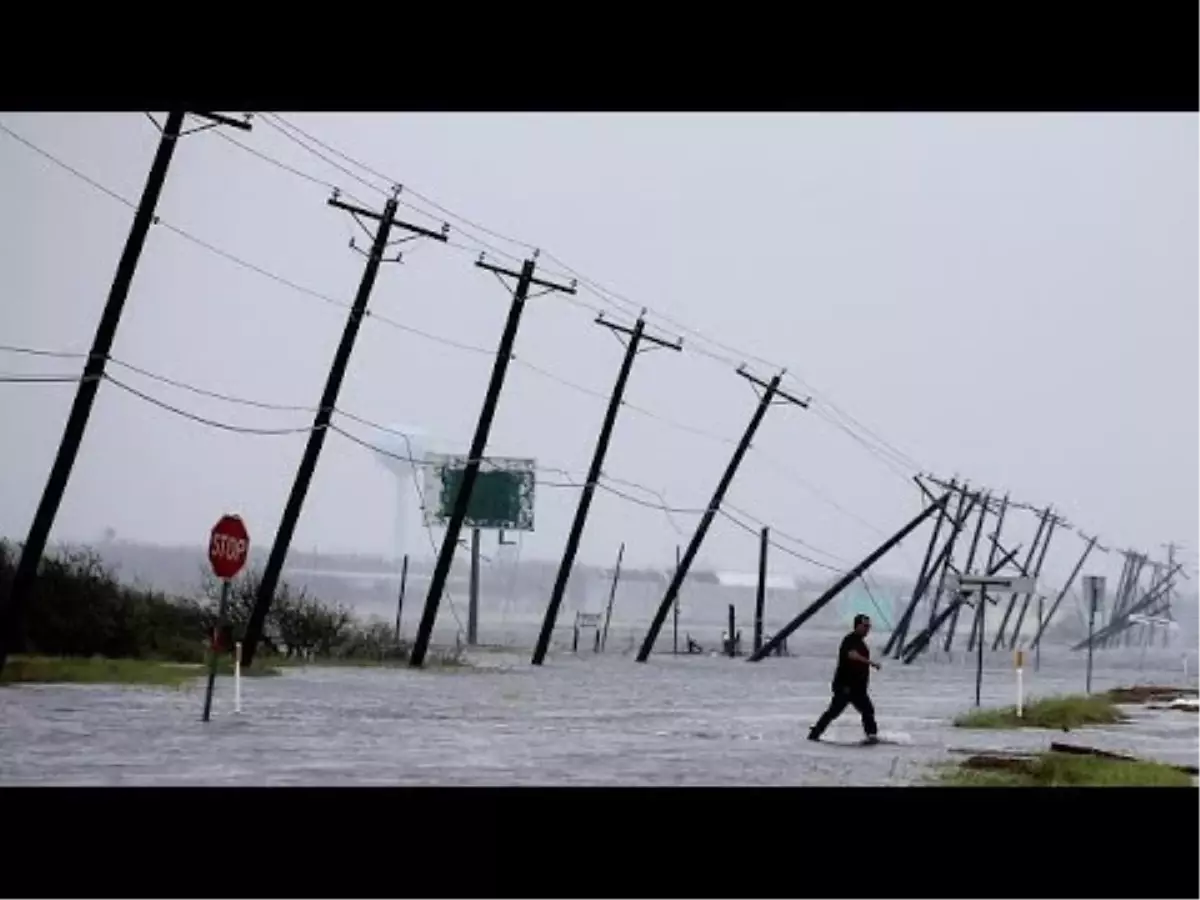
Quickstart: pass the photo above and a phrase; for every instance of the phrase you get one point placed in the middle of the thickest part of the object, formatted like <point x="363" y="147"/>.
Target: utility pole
<point x="473" y="596"/>
<point x="961" y="515"/>
<point x="329" y="399"/>
<point x="675" y="612"/>
<point x="760" y="600"/>
<point x="612" y="593"/>
<point x="849" y="578"/>
<point x="922" y="583"/>
<point x="524" y="280"/>
<point x="966" y="570"/>
<point x="995" y="548"/>
<point x="632" y="348"/>
<point x="1037" y="573"/>
<point x="1044" y="623"/>
<point x="769" y="391"/>
<point x="1008" y="610"/>
<point x="12" y="612"/>
<point x="400" y="602"/>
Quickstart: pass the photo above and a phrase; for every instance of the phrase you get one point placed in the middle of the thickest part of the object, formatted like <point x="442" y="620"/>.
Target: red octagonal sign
<point x="228" y="546"/>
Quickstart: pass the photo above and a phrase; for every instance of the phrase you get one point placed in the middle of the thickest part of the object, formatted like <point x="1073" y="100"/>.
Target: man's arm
<point x="857" y="657"/>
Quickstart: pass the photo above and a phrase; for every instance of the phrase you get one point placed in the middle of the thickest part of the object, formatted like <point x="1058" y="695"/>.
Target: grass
<point x="1061" y="713"/>
<point x="99" y="670"/>
<point x="434" y="660"/>
<point x="1062" y="770"/>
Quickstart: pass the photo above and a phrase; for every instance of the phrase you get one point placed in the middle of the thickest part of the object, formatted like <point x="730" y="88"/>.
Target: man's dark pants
<point x="844" y="696"/>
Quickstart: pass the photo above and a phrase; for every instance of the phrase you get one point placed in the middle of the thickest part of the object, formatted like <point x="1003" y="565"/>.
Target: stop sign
<point x="228" y="546"/>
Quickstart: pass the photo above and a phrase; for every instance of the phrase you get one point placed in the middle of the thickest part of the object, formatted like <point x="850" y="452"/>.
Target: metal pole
<point x="711" y="510"/>
<point x="324" y="414"/>
<point x="473" y="601"/>
<point x="400" y="602"/>
<point x="979" y="650"/>
<point x="478" y="445"/>
<point x="732" y="625"/>
<point x="901" y="630"/>
<point x="760" y="600"/>
<point x="12" y="611"/>
<point x="589" y="486"/>
<point x="612" y="593"/>
<point x="213" y="654"/>
<point x="849" y="578"/>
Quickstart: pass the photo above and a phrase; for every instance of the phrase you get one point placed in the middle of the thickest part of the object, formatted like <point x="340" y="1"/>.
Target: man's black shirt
<point x="850" y="674"/>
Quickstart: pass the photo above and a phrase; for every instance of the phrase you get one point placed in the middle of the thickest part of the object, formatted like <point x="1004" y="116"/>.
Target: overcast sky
<point x="1009" y="298"/>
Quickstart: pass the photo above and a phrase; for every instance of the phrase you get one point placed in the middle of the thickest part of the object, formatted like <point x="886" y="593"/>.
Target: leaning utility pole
<point x="922" y="582"/>
<point x="961" y="515"/>
<point x="12" y="612"/>
<point x="1037" y="573"/>
<point x="760" y="599"/>
<point x="769" y="391"/>
<point x="1008" y="610"/>
<point x="329" y="399"/>
<point x="995" y="548"/>
<point x="849" y="578"/>
<point x="1049" y="617"/>
<point x="632" y="348"/>
<point x="966" y="569"/>
<point x="462" y="500"/>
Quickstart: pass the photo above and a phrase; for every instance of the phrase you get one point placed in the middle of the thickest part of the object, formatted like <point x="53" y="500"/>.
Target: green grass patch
<point x="100" y="670"/>
<point x="1066" y="712"/>
<point x="1061" y="770"/>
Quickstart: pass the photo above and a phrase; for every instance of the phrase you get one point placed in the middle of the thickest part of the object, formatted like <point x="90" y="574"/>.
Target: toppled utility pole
<point x="770" y="390"/>
<point x="922" y="583"/>
<point x="525" y="279"/>
<point x="995" y="548"/>
<point x="329" y="398"/>
<point x="13" y="610"/>
<point x="636" y="335"/>
<point x="1025" y="569"/>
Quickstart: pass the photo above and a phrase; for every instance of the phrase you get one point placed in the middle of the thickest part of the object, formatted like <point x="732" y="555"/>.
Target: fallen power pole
<point x="524" y="280"/>
<point x="849" y="578"/>
<point x="1045" y="622"/>
<point x="632" y="347"/>
<point x="942" y="556"/>
<point x="770" y="390"/>
<point x="921" y="584"/>
<point x="13" y="610"/>
<point x="1025" y="569"/>
<point x="760" y="597"/>
<point x="329" y="398"/>
<point x="995" y="548"/>
<point x="921" y="641"/>
<point x="983" y="511"/>
<point x="612" y="593"/>
<point x="1115" y="628"/>
<point x="1035" y="574"/>
<point x="961" y="516"/>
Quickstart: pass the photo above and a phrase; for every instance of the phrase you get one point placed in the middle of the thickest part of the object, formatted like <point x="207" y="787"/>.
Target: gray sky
<point x="1008" y="297"/>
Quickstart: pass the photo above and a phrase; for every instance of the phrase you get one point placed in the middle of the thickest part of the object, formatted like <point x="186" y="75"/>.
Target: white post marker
<point x="237" y="677"/>
<point x="228" y="547"/>
<point x="1020" y="683"/>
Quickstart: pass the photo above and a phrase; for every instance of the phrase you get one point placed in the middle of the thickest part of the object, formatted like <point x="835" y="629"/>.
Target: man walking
<point x="850" y="681"/>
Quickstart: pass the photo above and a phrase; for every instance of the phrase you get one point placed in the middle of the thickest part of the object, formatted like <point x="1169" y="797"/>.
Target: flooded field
<point x="583" y="719"/>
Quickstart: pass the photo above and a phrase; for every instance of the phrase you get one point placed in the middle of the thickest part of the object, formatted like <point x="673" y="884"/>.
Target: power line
<point x="38" y="379"/>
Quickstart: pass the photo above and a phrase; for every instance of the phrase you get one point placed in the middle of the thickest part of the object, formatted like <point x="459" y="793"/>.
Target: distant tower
<point x="410" y="442"/>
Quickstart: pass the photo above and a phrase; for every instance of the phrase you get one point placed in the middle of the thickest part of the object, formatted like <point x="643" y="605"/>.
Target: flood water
<point x="586" y="719"/>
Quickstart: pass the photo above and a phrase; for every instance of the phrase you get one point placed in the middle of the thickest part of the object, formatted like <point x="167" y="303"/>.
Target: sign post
<point x="1093" y="593"/>
<point x="982" y="585"/>
<point x="228" y="547"/>
<point x="1020" y="683"/>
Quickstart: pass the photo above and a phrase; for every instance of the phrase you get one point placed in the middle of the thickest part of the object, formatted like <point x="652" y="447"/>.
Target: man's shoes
<point x="871" y="739"/>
